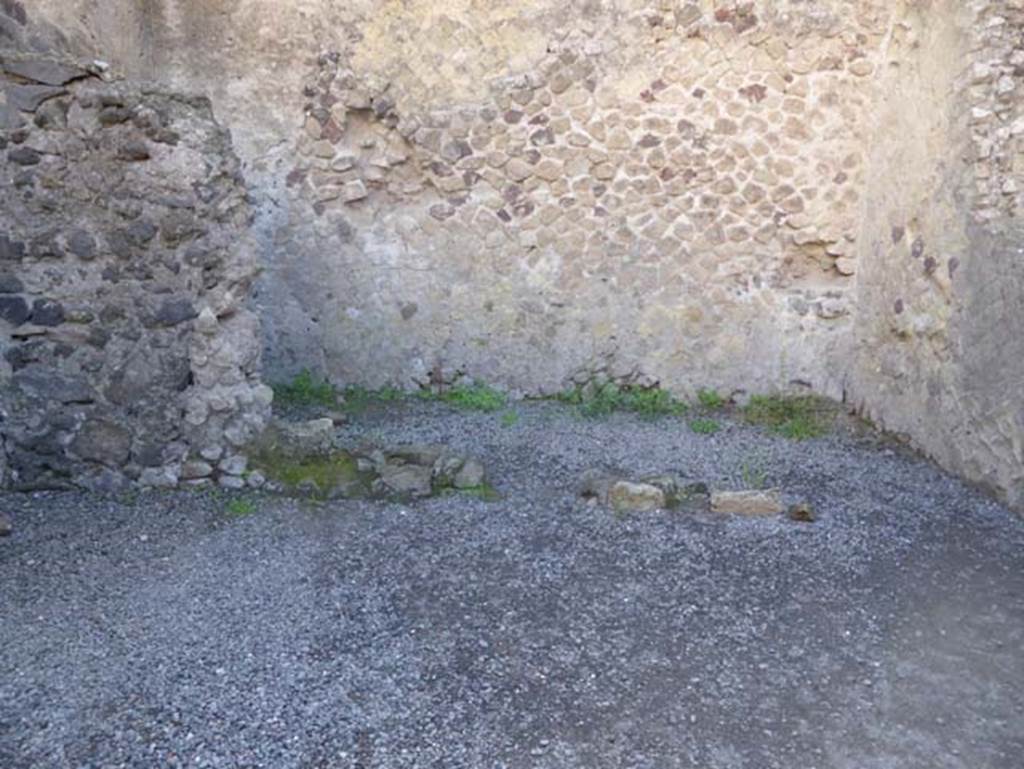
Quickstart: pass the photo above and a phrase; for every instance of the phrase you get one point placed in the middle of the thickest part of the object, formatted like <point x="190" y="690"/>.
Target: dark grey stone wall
<point x="127" y="352"/>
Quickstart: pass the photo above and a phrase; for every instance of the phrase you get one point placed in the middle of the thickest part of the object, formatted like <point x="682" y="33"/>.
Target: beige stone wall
<point x="656" y="197"/>
<point x="940" y="321"/>
<point x="533" y="192"/>
<point x="750" y="196"/>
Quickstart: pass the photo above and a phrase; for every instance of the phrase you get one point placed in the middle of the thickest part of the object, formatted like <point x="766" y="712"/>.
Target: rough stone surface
<point x="627" y="497"/>
<point x="407" y="479"/>
<point x="103" y="442"/>
<point x="472" y="475"/>
<point x="943" y="245"/>
<point x="656" y="194"/>
<point x="42" y="70"/>
<point x="106" y="376"/>
<point x="298" y="440"/>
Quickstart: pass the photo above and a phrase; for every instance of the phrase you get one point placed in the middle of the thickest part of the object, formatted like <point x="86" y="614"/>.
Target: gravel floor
<point x="536" y="631"/>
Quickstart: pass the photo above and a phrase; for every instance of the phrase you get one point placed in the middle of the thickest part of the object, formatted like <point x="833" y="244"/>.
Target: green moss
<point x="510" y="419"/>
<point x="339" y="469"/>
<point x="704" y="426"/>
<point x="797" y="418"/>
<point x="710" y="400"/>
<point x="598" y="401"/>
<point x="304" y="390"/>
<point x="240" y="507"/>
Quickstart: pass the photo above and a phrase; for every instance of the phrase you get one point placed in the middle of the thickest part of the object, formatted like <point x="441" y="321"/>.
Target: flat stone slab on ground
<point x="767" y="502"/>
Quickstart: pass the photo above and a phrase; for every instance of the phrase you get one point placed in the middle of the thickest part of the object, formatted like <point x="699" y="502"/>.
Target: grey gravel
<point x="537" y="631"/>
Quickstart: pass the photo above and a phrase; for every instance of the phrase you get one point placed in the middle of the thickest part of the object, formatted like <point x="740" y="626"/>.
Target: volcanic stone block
<point x="45" y="71"/>
<point x="14" y="310"/>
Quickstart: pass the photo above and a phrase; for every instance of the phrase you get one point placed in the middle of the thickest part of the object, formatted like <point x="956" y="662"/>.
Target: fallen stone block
<point x="595" y="484"/>
<point x="414" y="480"/>
<point x="752" y="503"/>
<point x="627" y="497"/>
<point x="471" y="476"/>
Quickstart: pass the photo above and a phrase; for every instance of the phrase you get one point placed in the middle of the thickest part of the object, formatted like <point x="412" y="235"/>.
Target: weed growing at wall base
<point x="598" y="401"/>
<point x="797" y="418"/>
<point x="304" y="390"/>
<point x="473" y="398"/>
<point x="710" y="400"/>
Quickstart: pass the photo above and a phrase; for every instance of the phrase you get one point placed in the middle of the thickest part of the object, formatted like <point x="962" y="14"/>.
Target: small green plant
<point x="653" y="402"/>
<point x="602" y="400"/>
<point x="798" y="418"/>
<point x="754" y="474"/>
<point x="595" y="401"/>
<point x="304" y="390"/>
<point x="572" y="396"/>
<point x="474" y="398"/>
<point x="705" y="426"/>
<point x="240" y="507"/>
<point x="510" y="419"/>
<point x="710" y="400"/>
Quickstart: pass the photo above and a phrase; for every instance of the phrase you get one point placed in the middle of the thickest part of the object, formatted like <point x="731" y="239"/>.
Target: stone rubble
<point x="667" y="492"/>
<point x="303" y="458"/>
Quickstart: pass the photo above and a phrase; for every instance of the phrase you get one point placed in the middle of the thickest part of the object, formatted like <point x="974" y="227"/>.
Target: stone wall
<point x="663" y="200"/>
<point x="127" y="353"/>
<point x="657" y="196"/>
<point x="538" y="193"/>
<point x="940" y="322"/>
<point x="756" y="195"/>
